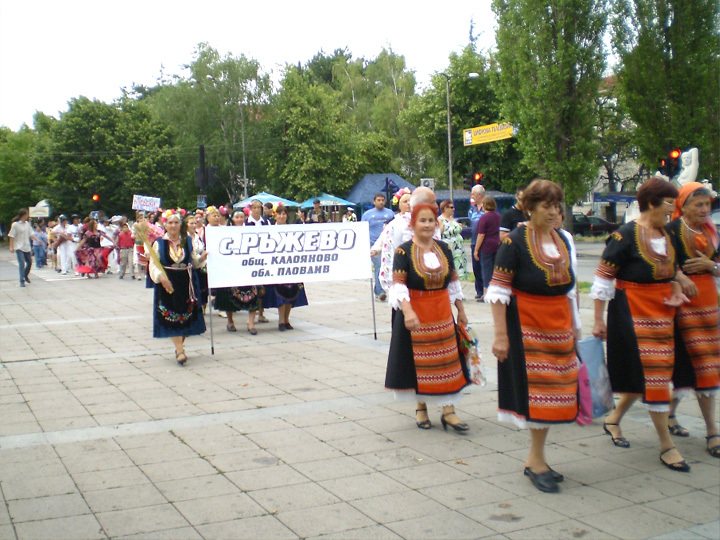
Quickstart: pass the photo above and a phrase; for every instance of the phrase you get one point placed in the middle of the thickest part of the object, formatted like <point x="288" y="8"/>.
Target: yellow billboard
<point x="488" y="133"/>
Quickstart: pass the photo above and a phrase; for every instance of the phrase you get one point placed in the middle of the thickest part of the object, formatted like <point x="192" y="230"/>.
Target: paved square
<point x="291" y="435"/>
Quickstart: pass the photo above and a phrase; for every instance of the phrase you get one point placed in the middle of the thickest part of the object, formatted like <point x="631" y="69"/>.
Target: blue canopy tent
<point x="264" y="198"/>
<point x="327" y="200"/>
<point x="364" y="191"/>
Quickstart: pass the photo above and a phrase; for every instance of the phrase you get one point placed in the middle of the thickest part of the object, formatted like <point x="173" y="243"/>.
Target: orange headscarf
<point x="685" y="191"/>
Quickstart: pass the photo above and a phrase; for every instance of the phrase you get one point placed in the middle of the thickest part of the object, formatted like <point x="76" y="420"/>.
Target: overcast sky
<point x="54" y="50"/>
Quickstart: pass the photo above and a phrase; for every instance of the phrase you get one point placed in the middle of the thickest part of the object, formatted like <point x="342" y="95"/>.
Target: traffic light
<point x="390" y="189"/>
<point x="671" y="165"/>
<point x="471" y="180"/>
<point x="96" y="197"/>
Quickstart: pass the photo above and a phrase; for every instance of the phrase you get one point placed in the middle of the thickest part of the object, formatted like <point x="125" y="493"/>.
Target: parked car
<point x="715" y="216"/>
<point x="592" y="225"/>
<point x="466" y="230"/>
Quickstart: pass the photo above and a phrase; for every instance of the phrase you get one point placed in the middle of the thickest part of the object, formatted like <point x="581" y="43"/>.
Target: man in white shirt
<point x="64" y="245"/>
<point x="108" y="241"/>
<point x="20" y="234"/>
<point x="398" y="232"/>
<point x="75" y="231"/>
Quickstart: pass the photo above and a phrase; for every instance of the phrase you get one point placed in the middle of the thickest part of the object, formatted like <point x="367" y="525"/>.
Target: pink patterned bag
<point x="585" y="403"/>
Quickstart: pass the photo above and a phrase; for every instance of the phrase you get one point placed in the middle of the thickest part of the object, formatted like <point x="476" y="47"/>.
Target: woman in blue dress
<point x="177" y="311"/>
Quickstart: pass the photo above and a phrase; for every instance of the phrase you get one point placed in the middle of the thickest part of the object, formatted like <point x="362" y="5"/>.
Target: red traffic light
<point x="675" y="153"/>
<point x="478" y="176"/>
<point x="95" y="197"/>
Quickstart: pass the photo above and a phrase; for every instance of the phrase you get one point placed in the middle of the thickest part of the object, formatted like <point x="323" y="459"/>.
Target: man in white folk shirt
<point x="398" y="231"/>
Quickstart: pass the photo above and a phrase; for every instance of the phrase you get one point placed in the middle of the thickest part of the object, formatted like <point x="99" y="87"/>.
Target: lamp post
<point x="241" y="106"/>
<point x="449" y="125"/>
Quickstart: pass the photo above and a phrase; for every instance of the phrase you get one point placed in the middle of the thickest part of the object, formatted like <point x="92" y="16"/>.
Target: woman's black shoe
<point x="680" y="466"/>
<point x="543" y="481"/>
<point x="555" y="475"/>
<point x="461" y="426"/>
<point x="425" y="424"/>
<point x="622" y="442"/>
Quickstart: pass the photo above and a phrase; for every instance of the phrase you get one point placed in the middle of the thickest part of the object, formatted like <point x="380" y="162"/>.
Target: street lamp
<point x="449" y="124"/>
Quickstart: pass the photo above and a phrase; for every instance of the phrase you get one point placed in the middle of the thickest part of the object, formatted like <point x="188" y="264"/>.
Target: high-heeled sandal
<point x="460" y="426"/>
<point x="622" y="442"/>
<point x="714" y="451"/>
<point x="680" y="466"/>
<point x="181" y="357"/>
<point x="677" y="429"/>
<point x="425" y="424"/>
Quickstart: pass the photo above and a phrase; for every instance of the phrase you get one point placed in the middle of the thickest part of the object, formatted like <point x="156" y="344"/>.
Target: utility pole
<point x="203" y="171"/>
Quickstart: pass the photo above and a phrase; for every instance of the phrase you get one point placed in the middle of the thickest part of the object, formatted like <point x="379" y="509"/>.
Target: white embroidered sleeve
<point x="455" y="291"/>
<point x="496" y="293"/>
<point x="397" y="293"/>
<point x="602" y="289"/>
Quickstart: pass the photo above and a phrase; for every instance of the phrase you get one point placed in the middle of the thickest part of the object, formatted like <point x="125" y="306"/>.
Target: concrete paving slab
<point x="252" y="527"/>
<point x="62" y="528"/>
<point x="450" y="525"/>
<point x="323" y="520"/>
<point x="634" y="521"/>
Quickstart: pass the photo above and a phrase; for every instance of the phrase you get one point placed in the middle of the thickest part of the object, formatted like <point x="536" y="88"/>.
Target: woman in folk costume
<point x="177" y="312"/>
<point x="424" y="362"/>
<point x="198" y="247"/>
<point x="697" y="337"/>
<point x="640" y="259"/>
<point x="534" y="336"/>
<point x="284" y="296"/>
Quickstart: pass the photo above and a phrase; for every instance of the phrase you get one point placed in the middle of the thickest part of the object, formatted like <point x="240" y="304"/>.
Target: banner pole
<point x="210" y="310"/>
<point x="372" y="296"/>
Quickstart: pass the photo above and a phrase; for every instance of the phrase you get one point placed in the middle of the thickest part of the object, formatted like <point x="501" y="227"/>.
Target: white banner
<point x="39" y="211"/>
<point x="145" y="203"/>
<point x="259" y="255"/>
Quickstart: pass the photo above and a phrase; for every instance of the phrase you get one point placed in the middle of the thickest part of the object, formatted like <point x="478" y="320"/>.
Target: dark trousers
<point x="477" y="272"/>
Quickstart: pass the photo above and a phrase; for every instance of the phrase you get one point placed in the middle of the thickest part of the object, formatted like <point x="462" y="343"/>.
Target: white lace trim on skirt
<point x="431" y="401"/>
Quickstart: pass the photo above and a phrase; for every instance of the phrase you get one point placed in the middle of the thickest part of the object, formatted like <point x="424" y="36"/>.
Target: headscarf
<point x="685" y="192"/>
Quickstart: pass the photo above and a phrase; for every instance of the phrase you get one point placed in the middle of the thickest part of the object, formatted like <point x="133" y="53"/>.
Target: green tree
<point x="19" y="184"/>
<point x="551" y="60"/>
<point x="670" y="77"/>
<point x="473" y="102"/>
<point x="315" y="149"/>
<point x="220" y="105"/>
<point x="114" y="150"/>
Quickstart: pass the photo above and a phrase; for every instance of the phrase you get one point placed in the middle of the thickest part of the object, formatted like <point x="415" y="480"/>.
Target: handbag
<point x="592" y="352"/>
<point x="585" y="403"/>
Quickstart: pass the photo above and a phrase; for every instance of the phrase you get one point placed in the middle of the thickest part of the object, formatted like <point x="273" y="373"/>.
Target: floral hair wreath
<point x="398" y="195"/>
<point x="173" y="212"/>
